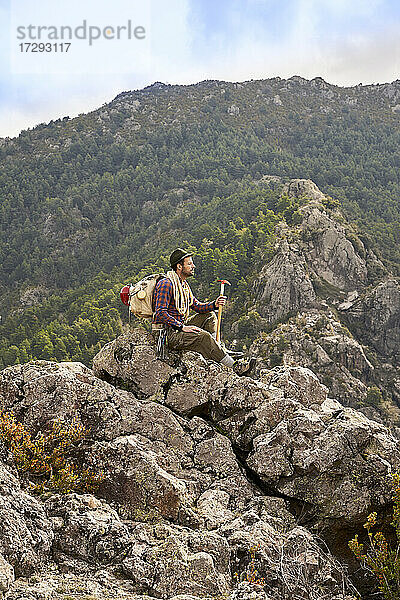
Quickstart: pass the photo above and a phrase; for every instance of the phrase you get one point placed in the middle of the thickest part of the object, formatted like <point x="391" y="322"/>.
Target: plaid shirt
<point x="165" y="311"/>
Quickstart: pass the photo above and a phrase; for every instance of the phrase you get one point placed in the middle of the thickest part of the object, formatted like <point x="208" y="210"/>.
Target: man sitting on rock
<point x="173" y="299"/>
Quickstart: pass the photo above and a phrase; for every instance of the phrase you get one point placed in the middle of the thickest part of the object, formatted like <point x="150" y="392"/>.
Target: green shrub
<point x="275" y="360"/>
<point x="378" y="557"/>
<point x="374" y="396"/>
<point x="47" y="458"/>
<point x="281" y="344"/>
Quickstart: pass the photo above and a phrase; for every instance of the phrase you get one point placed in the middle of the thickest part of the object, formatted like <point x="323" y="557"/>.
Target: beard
<point x="186" y="272"/>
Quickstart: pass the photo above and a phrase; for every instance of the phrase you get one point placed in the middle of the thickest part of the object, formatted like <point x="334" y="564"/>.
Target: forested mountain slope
<point x="92" y="202"/>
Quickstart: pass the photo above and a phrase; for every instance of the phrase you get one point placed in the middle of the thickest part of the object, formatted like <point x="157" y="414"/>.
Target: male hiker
<point x="172" y="300"/>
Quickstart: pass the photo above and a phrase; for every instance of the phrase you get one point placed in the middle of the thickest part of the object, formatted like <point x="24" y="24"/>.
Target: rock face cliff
<point x="326" y="302"/>
<point x="318" y="259"/>
<point x="214" y="485"/>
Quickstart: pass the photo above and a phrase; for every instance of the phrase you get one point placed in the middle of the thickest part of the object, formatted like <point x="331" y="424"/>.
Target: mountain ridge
<point x="106" y="195"/>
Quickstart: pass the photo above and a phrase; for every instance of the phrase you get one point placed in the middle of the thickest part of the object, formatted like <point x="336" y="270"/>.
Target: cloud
<point x="336" y="40"/>
<point x="344" y="8"/>
<point x="365" y="58"/>
<point x="30" y="98"/>
<point x="234" y="40"/>
<point x="34" y="101"/>
<point x="80" y="37"/>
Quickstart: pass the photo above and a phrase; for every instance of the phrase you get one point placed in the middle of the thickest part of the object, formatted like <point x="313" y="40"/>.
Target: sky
<point x="346" y="42"/>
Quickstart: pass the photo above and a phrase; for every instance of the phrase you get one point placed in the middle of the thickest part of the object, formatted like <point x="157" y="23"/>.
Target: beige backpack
<point x="141" y="296"/>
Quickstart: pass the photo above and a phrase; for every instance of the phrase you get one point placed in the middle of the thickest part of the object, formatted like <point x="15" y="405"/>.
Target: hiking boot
<point x="235" y="355"/>
<point x="244" y="368"/>
<point x="232" y="353"/>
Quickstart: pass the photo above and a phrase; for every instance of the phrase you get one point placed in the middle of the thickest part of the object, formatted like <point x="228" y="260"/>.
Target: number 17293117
<point x="44" y="47"/>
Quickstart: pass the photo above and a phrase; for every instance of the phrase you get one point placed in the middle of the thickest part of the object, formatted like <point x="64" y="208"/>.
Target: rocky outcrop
<point x="308" y="447"/>
<point x="166" y="468"/>
<point x="316" y="301"/>
<point x="153" y="460"/>
<point x="329" y="254"/>
<point x="304" y="189"/>
<point x="6" y="576"/>
<point x="282" y="425"/>
<point x="86" y="529"/>
<point x="187" y="498"/>
<point x="284" y="285"/>
<point x="315" y="260"/>
<point x="264" y="545"/>
<point x="334" y="459"/>
<point x="375" y="317"/>
<point x="318" y="341"/>
<point x="31" y="296"/>
<point x="54" y="583"/>
<point x="171" y="560"/>
<point x="132" y="362"/>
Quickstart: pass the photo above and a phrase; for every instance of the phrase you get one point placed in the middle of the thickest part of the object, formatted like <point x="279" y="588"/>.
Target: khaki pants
<point x="201" y="341"/>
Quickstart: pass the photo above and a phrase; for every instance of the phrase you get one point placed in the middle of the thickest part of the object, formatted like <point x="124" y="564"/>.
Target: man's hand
<point x="220" y="301"/>
<point x="191" y="329"/>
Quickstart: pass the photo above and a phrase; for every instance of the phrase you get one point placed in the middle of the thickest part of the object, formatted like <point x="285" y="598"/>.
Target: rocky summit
<point x="213" y="486"/>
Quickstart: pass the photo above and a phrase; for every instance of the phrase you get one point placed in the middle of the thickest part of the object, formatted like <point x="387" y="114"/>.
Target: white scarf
<point x="182" y="294"/>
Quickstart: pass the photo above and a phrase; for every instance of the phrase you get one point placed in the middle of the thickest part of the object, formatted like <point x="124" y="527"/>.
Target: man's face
<point x="188" y="267"/>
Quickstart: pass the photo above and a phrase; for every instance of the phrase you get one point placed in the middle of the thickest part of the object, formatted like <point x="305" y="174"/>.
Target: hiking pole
<point x="223" y="282"/>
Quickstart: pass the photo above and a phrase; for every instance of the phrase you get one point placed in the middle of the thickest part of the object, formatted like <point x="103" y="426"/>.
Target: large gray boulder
<point x="328" y="251"/>
<point x="262" y="544"/>
<point x="318" y="341"/>
<point x="310" y="448"/>
<point x="55" y="583"/>
<point x="288" y="432"/>
<point x="284" y="285"/>
<point x="303" y="188"/>
<point x="152" y="459"/>
<point x="166" y="560"/>
<point x="25" y="531"/>
<point x="165" y="474"/>
<point x="268" y="544"/>
<point x="7" y="576"/>
<point x="131" y="363"/>
<point x="86" y="529"/>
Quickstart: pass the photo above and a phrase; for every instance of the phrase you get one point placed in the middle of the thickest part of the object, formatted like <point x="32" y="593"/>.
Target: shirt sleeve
<point x="202" y="307"/>
<point x="162" y="298"/>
